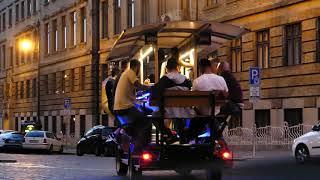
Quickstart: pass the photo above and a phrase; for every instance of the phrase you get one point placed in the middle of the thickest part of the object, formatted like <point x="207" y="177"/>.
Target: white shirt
<point x="209" y="82"/>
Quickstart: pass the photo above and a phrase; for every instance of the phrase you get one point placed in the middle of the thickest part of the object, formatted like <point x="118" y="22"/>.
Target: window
<point x="50" y="135"/>
<point x="293" y="44"/>
<point x="17" y="89"/>
<point x="117" y="17"/>
<point x="47" y="32"/>
<point x="35" y="134"/>
<point x="82" y="124"/>
<point x="73" y="20"/>
<point x="3" y="21"/>
<point x="34" y="5"/>
<point x="72" y="80"/>
<point x="104" y="71"/>
<point x="55" y="35"/>
<point x="105" y="19"/>
<point x="34" y="87"/>
<point x="0" y="24"/>
<point x="64" y="32"/>
<point x="22" y="10"/>
<point x="45" y="127"/>
<point x="82" y="77"/>
<point x="3" y="56"/>
<point x="16" y="124"/>
<point x="211" y="3"/>
<point x="22" y="89"/>
<point x="54" y="124"/>
<point x="293" y="116"/>
<point x="11" y="55"/>
<point x="83" y="13"/>
<point x="10" y="18"/>
<point x="17" y="53"/>
<point x="45" y="84"/>
<point x="62" y="125"/>
<point x="262" y="118"/>
<point x="28" y="54"/>
<point x="72" y="124"/>
<point x="131" y="11"/>
<point x="318" y="40"/>
<point x="28" y="89"/>
<point x="236" y="55"/>
<point x="54" y="83"/>
<point x="263" y="54"/>
<point x="63" y="82"/>
<point x="29" y="8"/>
<point x="17" y="13"/>
<point x="145" y="11"/>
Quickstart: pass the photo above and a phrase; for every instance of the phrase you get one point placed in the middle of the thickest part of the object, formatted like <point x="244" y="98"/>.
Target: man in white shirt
<point x="209" y="81"/>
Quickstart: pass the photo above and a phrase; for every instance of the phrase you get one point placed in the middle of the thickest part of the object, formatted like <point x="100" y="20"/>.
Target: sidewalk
<point x="243" y="155"/>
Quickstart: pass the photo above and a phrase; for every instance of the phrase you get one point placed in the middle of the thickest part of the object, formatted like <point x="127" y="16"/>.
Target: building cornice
<point x="260" y="10"/>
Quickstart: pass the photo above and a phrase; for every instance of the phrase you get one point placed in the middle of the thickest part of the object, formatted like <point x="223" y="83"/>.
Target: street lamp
<point x="26" y="45"/>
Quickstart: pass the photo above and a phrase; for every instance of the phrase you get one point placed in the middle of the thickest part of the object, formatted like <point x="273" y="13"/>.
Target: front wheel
<point x="302" y="154"/>
<point x="122" y="169"/>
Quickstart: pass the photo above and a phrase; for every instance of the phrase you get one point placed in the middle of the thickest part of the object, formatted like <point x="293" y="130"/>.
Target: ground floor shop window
<point x="16" y="123"/>
<point x="62" y="125"/>
<point x="72" y="125"/>
<point x="293" y="116"/>
<point x="82" y="125"/>
<point x="104" y="120"/>
<point x="45" y="127"/>
<point x="54" y="124"/>
<point x="235" y="121"/>
<point x="262" y="118"/>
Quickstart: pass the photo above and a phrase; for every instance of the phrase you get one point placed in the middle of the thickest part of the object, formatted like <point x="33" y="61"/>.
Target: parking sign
<point x="254" y="82"/>
<point x="67" y="103"/>
<point x="254" y="76"/>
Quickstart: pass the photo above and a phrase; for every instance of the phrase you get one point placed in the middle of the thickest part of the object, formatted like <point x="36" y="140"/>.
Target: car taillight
<point x="44" y="140"/>
<point x="226" y="155"/>
<point x="146" y="156"/>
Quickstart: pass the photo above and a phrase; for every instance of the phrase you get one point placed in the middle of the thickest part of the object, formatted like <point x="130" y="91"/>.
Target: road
<point x="32" y="166"/>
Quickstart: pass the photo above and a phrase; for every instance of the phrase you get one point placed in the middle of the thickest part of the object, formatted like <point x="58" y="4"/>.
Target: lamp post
<point x="27" y="45"/>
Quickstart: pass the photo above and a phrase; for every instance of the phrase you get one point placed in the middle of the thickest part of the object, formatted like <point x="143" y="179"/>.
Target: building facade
<point x="61" y="59"/>
<point x="284" y="43"/>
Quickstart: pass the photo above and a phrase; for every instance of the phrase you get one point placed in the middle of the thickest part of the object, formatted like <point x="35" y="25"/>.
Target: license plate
<point x="33" y="141"/>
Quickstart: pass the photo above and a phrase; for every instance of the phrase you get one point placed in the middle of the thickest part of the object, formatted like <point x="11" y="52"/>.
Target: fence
<point x="265" y="137"/>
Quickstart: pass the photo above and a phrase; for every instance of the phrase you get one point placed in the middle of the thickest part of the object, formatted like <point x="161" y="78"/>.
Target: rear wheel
<point x="134" y="173"/>
<point x="302" y="154"/>
<point x="61" y="149"/>
<point x="97" y="151"/>
<point x="50" y="150"/>
<point x="79" y="151"/>
<point x="122" y="169"/>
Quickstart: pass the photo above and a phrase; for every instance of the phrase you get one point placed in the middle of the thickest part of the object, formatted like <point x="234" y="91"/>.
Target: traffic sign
<point x="67" y="103"/>
<point x="255" y="76"/>
<point x="254" y="82"/>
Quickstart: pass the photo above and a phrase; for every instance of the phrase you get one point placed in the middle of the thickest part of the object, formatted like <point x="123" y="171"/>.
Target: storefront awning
<point x="171" y="35"/>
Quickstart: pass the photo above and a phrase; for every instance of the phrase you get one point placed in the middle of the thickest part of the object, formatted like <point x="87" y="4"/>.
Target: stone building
<point x="61" y="59"/>
<point x="284" y="43"/>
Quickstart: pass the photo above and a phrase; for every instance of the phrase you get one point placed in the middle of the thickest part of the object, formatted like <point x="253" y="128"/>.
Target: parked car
<point x="307" y="146"/>
<point x="11" y="141"/>
<point x="5" y="131"/>
<point x="94" y="142"/>
<point x="43" y="140"/>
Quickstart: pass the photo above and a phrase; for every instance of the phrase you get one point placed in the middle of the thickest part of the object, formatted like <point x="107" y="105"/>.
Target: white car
<point x="307" y="145"/>
<point x="42" y="140"/>
<point x="5" y="131"/>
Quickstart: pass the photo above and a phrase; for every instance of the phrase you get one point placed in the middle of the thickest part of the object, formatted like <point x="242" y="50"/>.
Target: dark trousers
<point x="138" y="126"/>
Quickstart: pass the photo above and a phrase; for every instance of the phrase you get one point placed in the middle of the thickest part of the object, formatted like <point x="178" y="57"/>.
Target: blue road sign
<point x="255" y="75"/>
<point x="67" y="103"/>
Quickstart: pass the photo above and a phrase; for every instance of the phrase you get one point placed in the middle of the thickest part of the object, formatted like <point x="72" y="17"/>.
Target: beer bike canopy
<point x="176" y="34"/>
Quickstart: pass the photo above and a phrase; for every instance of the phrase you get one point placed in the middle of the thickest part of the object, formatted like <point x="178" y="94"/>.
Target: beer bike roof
<point x="171" y="35"/>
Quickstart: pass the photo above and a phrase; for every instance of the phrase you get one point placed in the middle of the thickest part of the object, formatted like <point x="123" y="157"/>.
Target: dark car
<point x="11" y="141"/>
<point x="94" y="142"/>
